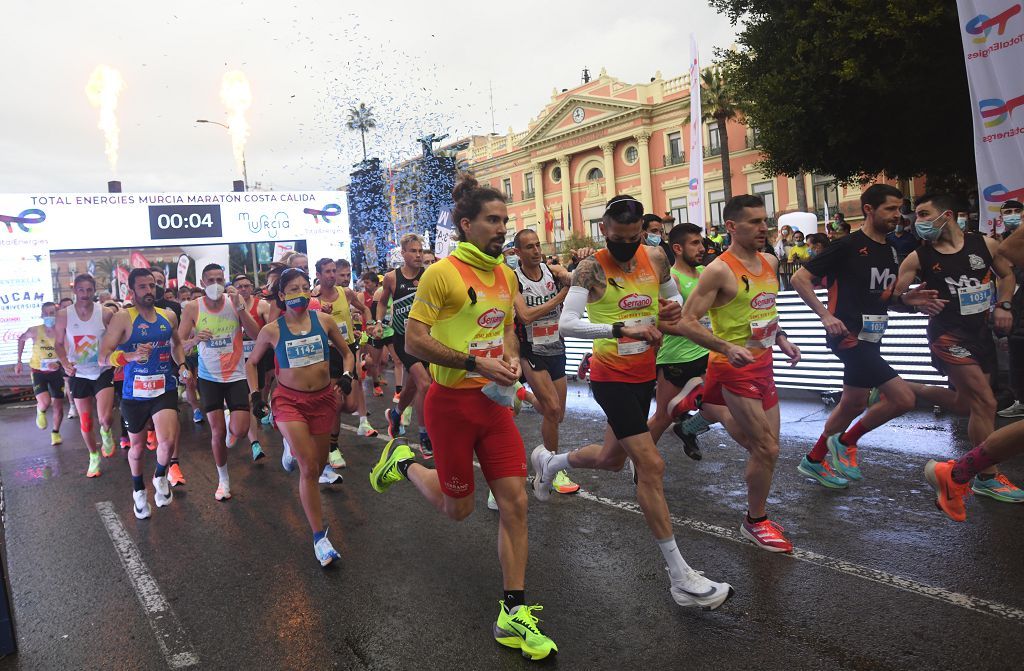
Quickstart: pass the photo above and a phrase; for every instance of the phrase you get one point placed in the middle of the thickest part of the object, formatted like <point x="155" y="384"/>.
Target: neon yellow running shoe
<point x="107" y="438"/>
<point x="41" y="419"/>
<point x="55" y="438"/>
<point x="385" y="472"/>
<point x="563" y="485"/>
<point x="94" y="465"/>
<point x="518" y="629"/>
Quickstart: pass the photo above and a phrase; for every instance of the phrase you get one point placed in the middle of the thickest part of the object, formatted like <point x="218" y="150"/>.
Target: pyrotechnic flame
<point x="237" y="97"/>
<point x="103" y="89"/>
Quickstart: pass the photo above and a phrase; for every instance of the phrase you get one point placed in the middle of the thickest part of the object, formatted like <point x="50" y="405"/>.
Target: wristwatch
<point x="617" y="329"/>
<point x="1005" y="305"/>
<point x="470" y="363"/>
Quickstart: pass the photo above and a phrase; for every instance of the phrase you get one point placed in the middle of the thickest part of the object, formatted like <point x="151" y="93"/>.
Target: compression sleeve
<point x="572" y="322"/>
<point x="670" y="291"/>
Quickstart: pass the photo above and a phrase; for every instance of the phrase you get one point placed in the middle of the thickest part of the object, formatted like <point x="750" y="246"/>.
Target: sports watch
<point x="1005" y="305"/>
<point x="617" y="329"/>
<point x="470" y="363"/>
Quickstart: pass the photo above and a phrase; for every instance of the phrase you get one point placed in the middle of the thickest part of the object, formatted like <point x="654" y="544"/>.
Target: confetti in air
<point x="103" y="90"/>
<point x="237" y="98"/>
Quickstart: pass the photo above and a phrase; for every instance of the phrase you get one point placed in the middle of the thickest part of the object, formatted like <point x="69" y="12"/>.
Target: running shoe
<point x="197" y="416"/>
<point x="541" y="482"/>
<point x="325" y="552"/>
<point x="229" y="440"/>
<point x="1015" y="410"/>
<point x="407" y="416"/>
<point x="690" y="445"/>
<point x="517" y="628"/>
<point x="999" y="488"/>
<point x="394" y="423"/>
<point x="492" y="503"/>
<point x="162" y="494"/>
<point x="395" y="398"/>
<point x="563" y="485"/>
<point x="151" y="440"/>
<point x="223" y="492"/>
<point x="366" y="430"/>
<point x="632" y="472"/>
<point x="94" y="465"/>
<point x="266" y="421"/>
<point x="126" y="443"/>
<point x="688" y="399"/>
<point x="141" y="505"/>
<point x="41" y="419"/>
<point x="335" y="459"/>
<point x="694" y="589"/>
<point x="72" y="412"/>
<point x="257" y="451"/>
<point x="386" y="472"/>
<point x="766" y="535"/>
<point x="949" y="494"/>
<point x="175" y="476"/>
<point x="823" y="473"/>
<point x="107" y="440"/>
<point x="55" y="438"/>
<point x="581" y="372"/>
<point x="426" y="447"/>
<point x="844" y="458"/>
<point x="329" y="476"/>
<point x="288" y="462"/>
<point x="377" y="391"/>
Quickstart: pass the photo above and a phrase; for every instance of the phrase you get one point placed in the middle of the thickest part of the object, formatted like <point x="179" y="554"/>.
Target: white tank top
<point x="221" y="357"/>
<point x="82" y="341"/>
<point x="543" y="333"/>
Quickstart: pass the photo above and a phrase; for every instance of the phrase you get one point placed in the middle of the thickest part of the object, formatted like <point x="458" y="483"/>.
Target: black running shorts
<point x="136" y="414"/>
<point x="679" y="374"/>
<point x="214" y="395"/>
<point x="625" y="404"/>
<point x="863" y="365"/>
<point x="83" y="387"/>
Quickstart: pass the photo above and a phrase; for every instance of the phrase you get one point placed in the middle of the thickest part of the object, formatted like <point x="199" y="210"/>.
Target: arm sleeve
<point x="572" y="323"/>
<point x="670" y="291"/>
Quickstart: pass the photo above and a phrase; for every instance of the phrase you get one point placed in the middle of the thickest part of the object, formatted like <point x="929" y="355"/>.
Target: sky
<point x="422" y="67"/>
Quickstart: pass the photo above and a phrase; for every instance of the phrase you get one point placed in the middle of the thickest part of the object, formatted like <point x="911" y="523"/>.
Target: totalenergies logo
<point x="23" y="220"/>
<point x="981" y="25"/>
<point x="998" y="194"/>
<point x="995" y="111"/>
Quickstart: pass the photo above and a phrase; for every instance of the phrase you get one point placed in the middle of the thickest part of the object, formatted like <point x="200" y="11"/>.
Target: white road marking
<point x="170" y="636"/>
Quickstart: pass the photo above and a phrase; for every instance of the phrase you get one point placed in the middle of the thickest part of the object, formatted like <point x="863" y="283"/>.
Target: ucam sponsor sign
<point x="992" y="32"/>
<point x="33" y="224"/>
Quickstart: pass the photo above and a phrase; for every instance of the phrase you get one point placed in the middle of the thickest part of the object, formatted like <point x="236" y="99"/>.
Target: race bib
<point x="628" y="346"/>
<point x="486" y="349"/>
<point x="304" y="351"/>
<point x="148" y="386"/>
<point x="220" y="345"/>
<point x="763" y="332"/>
<point x="873" y="327"/>
<point x="49" y="364"/>
<point x="247" y="346"/>
<point x="544" y="333"/>
<point x="975" y="300"/>
<point x="343" y="327"/>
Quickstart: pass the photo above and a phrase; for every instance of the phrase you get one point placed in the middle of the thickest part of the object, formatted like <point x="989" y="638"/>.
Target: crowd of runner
<point x="464" y="333"/>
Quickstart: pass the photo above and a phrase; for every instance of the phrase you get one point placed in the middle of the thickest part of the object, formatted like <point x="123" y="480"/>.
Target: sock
<point x="819" y="450"/>
<point x="317" y="535"/>
<point x="363" y="419"/>
<point x="695" y="424"/>
<point x="55" y="431"/>
<point x="403" y="467"/>
<point x="755" y="520"/>
<point x="334" y="442"/>
<point x="853" y="434"/>
<point x="971" y="464"/>
<point x="398" y="389"/>
<point x="514" y="598"/>
<point x="558" y="462"/>
<point x="137" y="484"/>
<point x="222" y="474"/>
<point x="161" y="470"/>
<point x="677" y="567"/>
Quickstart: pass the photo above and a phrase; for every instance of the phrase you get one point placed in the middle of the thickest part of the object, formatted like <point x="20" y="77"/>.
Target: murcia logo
<point x="635" y="301"/>
<point x="763" y="301"/>
<point x="491" y="319"/>
<point x="976" y="262"/>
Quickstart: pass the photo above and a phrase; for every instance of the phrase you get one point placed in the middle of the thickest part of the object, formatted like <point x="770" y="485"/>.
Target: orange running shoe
<point x="949" y="495"/>
<point x="377" y="391"/>
<point x="151" y="440"/>
<point x="174" y="476"/>
<point x="767" y="535"/>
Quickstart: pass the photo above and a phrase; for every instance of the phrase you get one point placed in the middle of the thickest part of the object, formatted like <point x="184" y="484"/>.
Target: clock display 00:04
<point x="173" y="222"/>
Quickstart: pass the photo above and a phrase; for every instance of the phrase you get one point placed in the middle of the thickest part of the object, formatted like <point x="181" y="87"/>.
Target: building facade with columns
<point x="608" y="137"/>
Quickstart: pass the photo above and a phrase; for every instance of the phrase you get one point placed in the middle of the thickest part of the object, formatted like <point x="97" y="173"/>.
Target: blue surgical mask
<point x="962" y="223"/>
<point x="1011" y="221"/>
<point x="928" y="230"/>
<point x="653" y="240"/>
<point x="512" y="261"/>
<point x="49" y="322"/>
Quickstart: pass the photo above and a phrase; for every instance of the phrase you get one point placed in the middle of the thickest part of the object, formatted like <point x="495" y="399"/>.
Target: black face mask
<point x="623" y="251"/>
<point x="159" y="292"/>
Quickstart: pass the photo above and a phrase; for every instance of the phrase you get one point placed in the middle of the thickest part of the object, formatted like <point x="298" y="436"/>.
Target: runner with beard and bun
<point x="862" y="269"/>
<point x="626" y="290"/>
<point x="959" y="266"/>
<point x="144" y="340"/>
<point x="462" y="322"/>
<point x="683" y="363"/>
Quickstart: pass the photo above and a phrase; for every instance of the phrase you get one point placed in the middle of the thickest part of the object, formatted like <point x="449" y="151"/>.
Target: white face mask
<point x="214" y="291"/>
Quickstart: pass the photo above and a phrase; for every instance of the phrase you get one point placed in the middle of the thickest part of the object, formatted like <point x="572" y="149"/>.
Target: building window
<point x="767" y="192"/>
<point x="675" y="148"/>
<point x="556" y="174"/>
<point x="594" y="174"/>
<point x="680" y="211"/>
<point x="826" y="191"/>
<point x="506" y="186"/>
<point x="595" y="229"/>
<point x="716" y="202"/>
<point x="632" y="154"/>
<point x="714" y="139"/>
<point x="559" y="231"/>
<point x="530" y="192"/>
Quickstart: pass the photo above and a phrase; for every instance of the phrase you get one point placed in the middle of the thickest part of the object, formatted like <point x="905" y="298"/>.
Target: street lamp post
<point x="245" y="176"/>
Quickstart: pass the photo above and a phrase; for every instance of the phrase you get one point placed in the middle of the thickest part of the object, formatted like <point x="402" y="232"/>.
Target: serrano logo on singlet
<point x="763" y="301"/>
<point x="635" y="301"/>
<point x="491" y="319"/>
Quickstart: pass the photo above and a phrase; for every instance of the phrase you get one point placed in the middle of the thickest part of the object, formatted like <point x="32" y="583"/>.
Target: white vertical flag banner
<point x="695" y="195"/>
<point x="182" y="272"/>
<point x="992" y="32"/>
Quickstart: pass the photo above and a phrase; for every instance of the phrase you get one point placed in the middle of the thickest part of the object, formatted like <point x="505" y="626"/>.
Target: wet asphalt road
<point x="881" y="580"/>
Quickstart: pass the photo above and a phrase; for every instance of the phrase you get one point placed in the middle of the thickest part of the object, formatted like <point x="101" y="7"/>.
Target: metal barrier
<point x="905" y="347"/>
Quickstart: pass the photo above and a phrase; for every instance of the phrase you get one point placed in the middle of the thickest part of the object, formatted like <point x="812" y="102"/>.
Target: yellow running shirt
<point x="750" y="319"/>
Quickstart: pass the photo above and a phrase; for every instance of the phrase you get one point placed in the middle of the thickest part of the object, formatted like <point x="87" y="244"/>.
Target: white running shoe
<point x="72" y="412"/>
<point x="325" y="552"/>
<point x="141" y="505"/>
<point x="492" y="504"/>
<point x="696" y="590"/>
<point x="541" y="481"/>
<point x="330" y="476"/>
<point x="162" y="494"/>
<point x="1015" y="410"/>
<point x="228" y="442"/>
<point x="288" y="462"/>
<point x="223" y="492"/>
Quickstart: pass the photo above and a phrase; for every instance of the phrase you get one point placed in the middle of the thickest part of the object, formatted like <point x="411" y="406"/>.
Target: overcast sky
<point x="423" y="67"/>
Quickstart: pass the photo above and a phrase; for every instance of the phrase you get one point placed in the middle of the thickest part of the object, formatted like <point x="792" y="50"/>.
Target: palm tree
<point x="720" y="104"/>
<point x="361" y="119"/>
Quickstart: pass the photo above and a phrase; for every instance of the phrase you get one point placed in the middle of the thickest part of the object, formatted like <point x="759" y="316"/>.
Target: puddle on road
<point x="33" y="470"/>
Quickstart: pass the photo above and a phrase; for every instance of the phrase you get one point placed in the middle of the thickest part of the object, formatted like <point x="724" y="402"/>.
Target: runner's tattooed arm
<point x="590" y="275"/>
<point x="422" y="345"/>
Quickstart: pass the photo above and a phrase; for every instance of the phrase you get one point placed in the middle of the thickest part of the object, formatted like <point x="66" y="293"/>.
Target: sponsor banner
<point x="138" y="260"/>
<point x="282" y="248"/>
<point x="695" y="194"/>
<point x="183" y="264"/>
<point x="992" y="32"/>
<point x="445" y="241"/>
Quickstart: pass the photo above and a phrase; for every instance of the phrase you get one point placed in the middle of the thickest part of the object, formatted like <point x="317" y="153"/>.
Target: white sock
<point x="558" y="462"/>
<point x="363" y="419"/>
<point x="222" y="474"/>
<point x="677" y="566"/>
